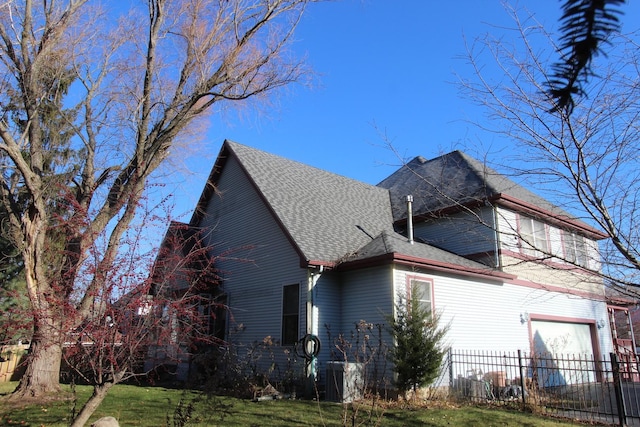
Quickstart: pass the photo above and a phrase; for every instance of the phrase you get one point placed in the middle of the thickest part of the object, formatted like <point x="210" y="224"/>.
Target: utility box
<point x="345" y="382"/>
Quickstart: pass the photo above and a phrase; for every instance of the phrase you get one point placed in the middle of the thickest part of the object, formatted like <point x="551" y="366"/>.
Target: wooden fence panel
<point x="11" y="357"/>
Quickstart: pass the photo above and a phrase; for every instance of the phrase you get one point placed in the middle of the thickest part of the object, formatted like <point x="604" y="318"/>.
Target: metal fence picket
<point x="572" y="386"/>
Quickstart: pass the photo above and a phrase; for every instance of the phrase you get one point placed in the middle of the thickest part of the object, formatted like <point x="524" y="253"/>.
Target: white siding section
<point x="494" y="316"/>
<point x="256" y="259"/>
<point x="508" y="229"/>
<point x="593" y="255"/>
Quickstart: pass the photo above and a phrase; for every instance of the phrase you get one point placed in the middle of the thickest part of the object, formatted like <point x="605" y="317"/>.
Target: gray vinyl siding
<point x="462" y="233"/>
<point x="327" y="298"/>
<point x="255" y="258"/>
<point x="367" y="294"/>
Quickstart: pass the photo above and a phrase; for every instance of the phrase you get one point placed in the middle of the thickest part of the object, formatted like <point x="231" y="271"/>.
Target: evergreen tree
<point x="586" y="26"/>
<point x="15" y="322"/>
<point x="418" y="351"/>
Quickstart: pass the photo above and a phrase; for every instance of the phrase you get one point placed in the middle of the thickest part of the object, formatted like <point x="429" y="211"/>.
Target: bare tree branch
<point x="586" y="158"/>
<point x="93" y="98"/>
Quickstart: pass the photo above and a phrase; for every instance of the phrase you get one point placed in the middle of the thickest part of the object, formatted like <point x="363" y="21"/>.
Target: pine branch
<point x="586" y="25"/>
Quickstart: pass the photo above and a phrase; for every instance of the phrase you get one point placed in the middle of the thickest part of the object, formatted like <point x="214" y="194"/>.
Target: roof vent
<point x="410" y="218"/>
<point x="420" y="159"/>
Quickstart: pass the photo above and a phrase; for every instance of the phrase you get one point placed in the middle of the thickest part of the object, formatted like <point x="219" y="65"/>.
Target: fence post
<point x="522" y="382"/>
<point x="617" y="385"/>
<point x="450" y="368"/>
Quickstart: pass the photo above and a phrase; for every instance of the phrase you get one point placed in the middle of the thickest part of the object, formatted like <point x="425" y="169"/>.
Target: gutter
<point x="428" y="264"/>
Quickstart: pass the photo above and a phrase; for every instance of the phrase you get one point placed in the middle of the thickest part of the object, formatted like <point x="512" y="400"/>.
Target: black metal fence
<point x="578" y="387"/>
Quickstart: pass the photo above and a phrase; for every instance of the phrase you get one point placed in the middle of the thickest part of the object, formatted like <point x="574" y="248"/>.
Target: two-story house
<point x="300" y="251"/>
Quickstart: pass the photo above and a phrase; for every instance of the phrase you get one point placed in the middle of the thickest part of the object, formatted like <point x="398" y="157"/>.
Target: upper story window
<point x="575" y="248"/>
<point x="533" y="236"/>
<point x="538" y="239"/>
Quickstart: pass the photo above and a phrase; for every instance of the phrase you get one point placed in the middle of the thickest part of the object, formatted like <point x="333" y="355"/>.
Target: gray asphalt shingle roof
<point x="451" y="179"/>
<point x="389" y="242"/>
<point x="331" y="218"/>
<point x="324" y="213"/>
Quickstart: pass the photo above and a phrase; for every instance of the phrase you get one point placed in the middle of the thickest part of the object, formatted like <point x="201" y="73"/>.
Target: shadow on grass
<point x="156" y="407"/>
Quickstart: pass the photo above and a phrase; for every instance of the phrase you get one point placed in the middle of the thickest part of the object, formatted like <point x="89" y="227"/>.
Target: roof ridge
<point x="231" y="143"/>
<point x="323" y="213"/>
<point x="481" y="170"/>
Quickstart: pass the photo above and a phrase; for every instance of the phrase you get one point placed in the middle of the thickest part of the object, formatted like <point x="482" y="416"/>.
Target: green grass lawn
<point x="153" y="406"/>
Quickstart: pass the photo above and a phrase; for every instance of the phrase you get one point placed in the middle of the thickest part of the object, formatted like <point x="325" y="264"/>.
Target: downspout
<point x="496" y="239"/>
<point x="311" y="368"/>
<point x="312" y="327"/>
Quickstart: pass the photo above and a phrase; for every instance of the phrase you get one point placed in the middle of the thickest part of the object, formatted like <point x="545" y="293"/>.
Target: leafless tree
<point x="136" y="317"/>
<point x="586" y="158"/>
<point x="93" y="97"/>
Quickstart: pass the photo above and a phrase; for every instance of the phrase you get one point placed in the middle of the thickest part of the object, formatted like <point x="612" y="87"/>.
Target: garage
<point x="562" y="338"/>
<point x="567" y="346"/>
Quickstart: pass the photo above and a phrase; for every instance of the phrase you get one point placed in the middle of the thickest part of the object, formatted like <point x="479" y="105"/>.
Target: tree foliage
<point x="418" y="336"/>
<point x="15" y="322"/>
<point x="93" y="99"/>
<point x="586" y="25"/>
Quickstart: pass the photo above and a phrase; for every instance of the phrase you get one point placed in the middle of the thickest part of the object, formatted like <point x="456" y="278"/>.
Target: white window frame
<point x="426" y="300"/>
<point x="534" y="236"/>
<point x="575" y="248"/>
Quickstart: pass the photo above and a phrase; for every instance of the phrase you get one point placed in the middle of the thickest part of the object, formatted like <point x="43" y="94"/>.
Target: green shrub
<point x="418" y="351"/>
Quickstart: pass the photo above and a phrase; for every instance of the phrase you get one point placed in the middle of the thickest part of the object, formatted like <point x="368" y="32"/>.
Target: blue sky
<point x="381" y="66"/>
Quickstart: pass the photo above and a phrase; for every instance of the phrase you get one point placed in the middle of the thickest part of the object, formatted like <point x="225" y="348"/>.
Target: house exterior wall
<point x="327" y="303"/>
<point x="463" y="233"/>
<point x="255" y="259"/>
<point x="367" y="294"/>
<point x="545" y="268"/>
<point x="496" y="316"/>
<point x="482" y="314"/>
<point x="556" y="275"/>
<point x="481" y="234"/>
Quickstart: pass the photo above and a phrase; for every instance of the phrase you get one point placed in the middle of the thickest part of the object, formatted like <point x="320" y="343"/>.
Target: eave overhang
<point x="561" y="221"/>
<point x="433" y="265"/>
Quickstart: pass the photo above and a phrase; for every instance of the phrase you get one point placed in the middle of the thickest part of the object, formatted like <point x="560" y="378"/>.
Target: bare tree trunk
<point x="42" y="375"/>
<point x="69" y="203"/>
<point x="99" y="393"/>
